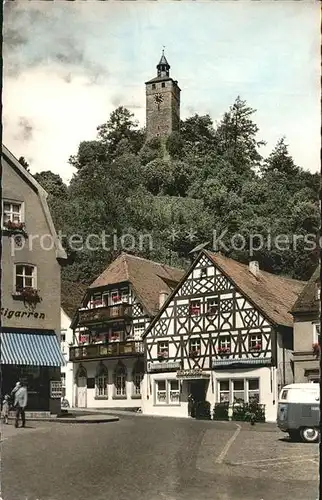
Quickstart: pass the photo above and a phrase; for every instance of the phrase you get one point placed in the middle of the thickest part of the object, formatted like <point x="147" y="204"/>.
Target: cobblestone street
<point x="155" y="459"/>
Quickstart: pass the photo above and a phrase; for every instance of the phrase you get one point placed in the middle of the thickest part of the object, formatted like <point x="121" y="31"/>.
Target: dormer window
<point x="195" y="307"/>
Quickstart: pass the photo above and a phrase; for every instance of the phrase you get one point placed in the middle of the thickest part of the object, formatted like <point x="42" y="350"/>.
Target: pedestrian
<point x="5" y="409"/>
<point x="20" y="403"/>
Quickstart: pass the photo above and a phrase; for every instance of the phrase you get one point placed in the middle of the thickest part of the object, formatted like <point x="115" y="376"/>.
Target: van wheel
<point x="294" y="435"/>
<point x="310" y="434"/>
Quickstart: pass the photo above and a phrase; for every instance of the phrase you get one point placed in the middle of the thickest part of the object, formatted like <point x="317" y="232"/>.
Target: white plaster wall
<point x="267" y="388"/>
<point x="110" y="401"/>
<point x="68" y="369"/>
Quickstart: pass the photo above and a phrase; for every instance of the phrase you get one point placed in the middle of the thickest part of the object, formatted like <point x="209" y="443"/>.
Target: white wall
<point x="267" y="388"/>
<point x="68" y="369"/>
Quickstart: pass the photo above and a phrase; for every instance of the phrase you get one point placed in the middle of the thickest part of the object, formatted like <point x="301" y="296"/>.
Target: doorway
<point x="81" y="388"/>
<point x="197" y="394"/>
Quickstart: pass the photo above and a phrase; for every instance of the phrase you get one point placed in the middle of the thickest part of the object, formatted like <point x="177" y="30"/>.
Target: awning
<point x="241" y="363"/>
<point x="37" y="349"/>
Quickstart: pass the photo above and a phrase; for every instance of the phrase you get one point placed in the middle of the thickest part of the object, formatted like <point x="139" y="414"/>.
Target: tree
<point x="280" y="161"/>
<point x="24" y="163"/>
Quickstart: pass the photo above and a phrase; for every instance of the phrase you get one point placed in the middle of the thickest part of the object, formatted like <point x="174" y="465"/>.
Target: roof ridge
<point x="151" y="261"/>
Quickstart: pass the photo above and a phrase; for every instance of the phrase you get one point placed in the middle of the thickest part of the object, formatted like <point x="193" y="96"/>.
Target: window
<point x="138" y="373"/>
<point x="124" y="296"/>
<point x="163" y="350"/>
<point x="174" y="391"/>
<point x="25" y="276"/>
<point x="255" y="342"/>
<point x="224" y="344"/>
<point x="195" y="346"/>
<point x="138" y="331"/>
<point x="63" y="384"/>
<point x="116" y="298"/>
<point x="212" y="306"/>
<point x="161" y="391"/>
<point x="238" y="391"/>
<point x="63" y="337"/>
<point x="253" y="390"/>
<point x="203" y="272"/>
<point x="96" y="301"/>
<point x="12" y="211"/>
<point x="101" y="382"/>
<point x="316" y="333"/>
<point x="120" y="380"/>
<point x="163" y="84"/>
<point x="153" y="86"/>
<point x="167" y="392"/>
<point x="195" y="307"/>
<point x="224" y="391"/>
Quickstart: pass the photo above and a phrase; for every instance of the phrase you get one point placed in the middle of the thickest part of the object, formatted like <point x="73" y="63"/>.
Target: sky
<point x="68" y="65"/>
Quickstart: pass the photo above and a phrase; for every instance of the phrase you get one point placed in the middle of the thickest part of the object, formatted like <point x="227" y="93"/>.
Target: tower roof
<point x="163" y="61"/>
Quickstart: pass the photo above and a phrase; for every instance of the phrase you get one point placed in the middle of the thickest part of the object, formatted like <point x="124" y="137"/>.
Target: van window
<point x="284" y="394"/>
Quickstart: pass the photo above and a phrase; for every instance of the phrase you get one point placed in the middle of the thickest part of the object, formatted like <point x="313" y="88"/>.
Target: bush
<point x="221" y="411"/>
<point x="202" y="410"/>
<point x="248" y="412"/>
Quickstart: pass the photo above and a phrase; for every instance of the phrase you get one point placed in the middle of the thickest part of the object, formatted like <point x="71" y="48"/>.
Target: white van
<point x="298" y="411"/>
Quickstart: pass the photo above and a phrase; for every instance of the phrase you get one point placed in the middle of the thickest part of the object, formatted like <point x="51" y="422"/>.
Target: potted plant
<point x="316" y="349"/>
<point x="194" y="310"/>
<point x="224" y="351"/>
<point x="162" y="355"/>
<point x="15" y="227"/>
<point x="29" y="295"/>
<point x="256" y="348"/>
<point x="116" y="298"/>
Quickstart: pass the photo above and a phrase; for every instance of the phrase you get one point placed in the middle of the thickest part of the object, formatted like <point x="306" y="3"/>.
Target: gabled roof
<point x="271" y="294"/>
<point x="148" y="278"/>
<point x="16" y="165"/>
<point x="308" y="302"/>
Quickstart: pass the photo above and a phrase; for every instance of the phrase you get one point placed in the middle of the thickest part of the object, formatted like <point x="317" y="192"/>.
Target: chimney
<point x="163" y="295"/>
<point x="254" y="268"/>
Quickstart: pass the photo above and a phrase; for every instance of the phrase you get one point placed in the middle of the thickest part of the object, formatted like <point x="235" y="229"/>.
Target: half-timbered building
<point x="225" y="333"/>
<point x="307" y="323"/>
<point x="107" y="354"/>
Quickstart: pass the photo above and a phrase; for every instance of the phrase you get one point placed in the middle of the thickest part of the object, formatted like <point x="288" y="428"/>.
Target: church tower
<point x="162" y="102"/>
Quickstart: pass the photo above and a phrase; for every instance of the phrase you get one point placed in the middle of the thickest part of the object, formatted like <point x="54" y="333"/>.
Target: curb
<point x="75" y="420"/>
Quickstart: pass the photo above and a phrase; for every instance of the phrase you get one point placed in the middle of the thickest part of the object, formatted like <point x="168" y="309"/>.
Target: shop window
<point x="253" y="390"/>
<point x="167" y="392"/>
<point x="224" y="393"/>
<point x="138" y="374"/>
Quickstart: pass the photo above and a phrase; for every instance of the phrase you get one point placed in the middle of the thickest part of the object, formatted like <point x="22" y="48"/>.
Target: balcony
<point x="104" y="314"/>
<point x="112" y="350"/>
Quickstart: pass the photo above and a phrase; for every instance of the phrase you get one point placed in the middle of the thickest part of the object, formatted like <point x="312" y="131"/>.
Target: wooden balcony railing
<point x="114" y="349"/>
<point x="108" y="313"/>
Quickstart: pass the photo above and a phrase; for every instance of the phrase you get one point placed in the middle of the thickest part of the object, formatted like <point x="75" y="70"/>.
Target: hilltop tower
<point x="162" y="102"/>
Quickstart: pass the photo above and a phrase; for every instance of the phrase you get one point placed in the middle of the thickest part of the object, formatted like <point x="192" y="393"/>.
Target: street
<point x="148" y="458"/>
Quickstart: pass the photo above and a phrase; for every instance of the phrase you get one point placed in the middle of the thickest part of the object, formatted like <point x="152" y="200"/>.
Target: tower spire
<point x="163" y="67"/>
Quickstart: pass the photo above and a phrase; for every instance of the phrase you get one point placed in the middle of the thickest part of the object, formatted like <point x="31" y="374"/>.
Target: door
<point x="197" y="393"/>
<point x="81" y="392"/>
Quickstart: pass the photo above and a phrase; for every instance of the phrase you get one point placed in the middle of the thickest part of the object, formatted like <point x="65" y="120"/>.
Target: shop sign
<point x="164" y="366"/>
<point x="10" y="313"/>
<point x="56" y="389"/>
<point x="192" y="374"/>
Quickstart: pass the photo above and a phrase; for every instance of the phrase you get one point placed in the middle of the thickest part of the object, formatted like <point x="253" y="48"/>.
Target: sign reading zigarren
<point x="9" y="313"/>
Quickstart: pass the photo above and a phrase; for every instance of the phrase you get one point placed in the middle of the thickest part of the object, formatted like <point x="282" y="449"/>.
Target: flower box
<point x="194" y="353"/>
<point x="256" y="348"/>
<point x="117" y="298"/>
<point x="194" y="310"/>
<point x="223" y="351"/>
<point x="15" y="227"/>
<point x="29" y="295"/>
<point x="163" y="355"/>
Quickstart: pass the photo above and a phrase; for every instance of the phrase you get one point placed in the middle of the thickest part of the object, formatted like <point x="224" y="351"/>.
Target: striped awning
<point x="241" y="362"/>
<point x="36" y="349"/>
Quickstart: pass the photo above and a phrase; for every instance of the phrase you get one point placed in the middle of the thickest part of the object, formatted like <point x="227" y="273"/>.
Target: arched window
<point x="101" y="382"/>
<point x="81" y="372"/>
<point x="137" y="376"/>
<point x="120" y="380"/>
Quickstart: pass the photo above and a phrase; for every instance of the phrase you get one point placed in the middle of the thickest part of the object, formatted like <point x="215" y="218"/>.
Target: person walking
<point x="5" y="409"/>
<point x="20" y="403"/>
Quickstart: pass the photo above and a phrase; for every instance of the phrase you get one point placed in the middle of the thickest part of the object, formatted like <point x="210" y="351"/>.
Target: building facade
<point x="223" y="335"/>
<point x="30" y="291"/>
<point x="107" y="355"/>
<point x="162" y="103"/>
<point x="307" y="323"/>
<point x="66" y="340"/>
